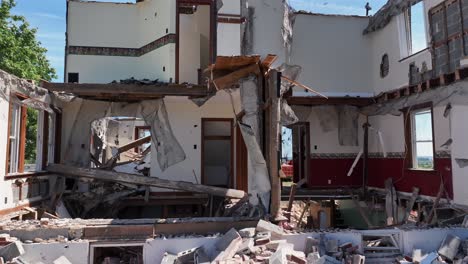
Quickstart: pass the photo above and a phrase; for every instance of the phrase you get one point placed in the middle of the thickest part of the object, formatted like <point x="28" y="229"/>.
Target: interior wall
<point x="229" y="35"/>
<point x="380" y="168"/>
<point x="459" y="149"/>
<point x="144" y="23"/>
<point x="333" y="54"/>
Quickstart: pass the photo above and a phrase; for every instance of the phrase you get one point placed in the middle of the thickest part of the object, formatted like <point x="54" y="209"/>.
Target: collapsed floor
<point x="220" y="240"/>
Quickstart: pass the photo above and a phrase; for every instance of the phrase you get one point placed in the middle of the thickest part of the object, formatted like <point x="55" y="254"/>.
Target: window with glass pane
<point x="417" y="28"/>
<point x="13" y="154"/>
<point x="422" y="139"/>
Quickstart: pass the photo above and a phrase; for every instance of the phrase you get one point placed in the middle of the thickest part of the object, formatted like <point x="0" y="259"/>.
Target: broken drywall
<point x="348" y="125"/>
<point x="153" y="112"/>
<point x="328" y="117"/>
<point x="39" y="98"/>
<point x="287" y="28"/>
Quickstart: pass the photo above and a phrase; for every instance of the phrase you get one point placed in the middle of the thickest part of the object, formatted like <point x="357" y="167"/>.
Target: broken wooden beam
<point x="303" y="86"/>
<point x="410" y="205"/>
<point x="143" y="180"/>
<point x="232" y="78"/>
<point x="134" y="144"/>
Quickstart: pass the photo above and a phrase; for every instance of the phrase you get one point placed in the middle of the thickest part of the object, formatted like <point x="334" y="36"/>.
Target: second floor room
<point x="401" y="44"/>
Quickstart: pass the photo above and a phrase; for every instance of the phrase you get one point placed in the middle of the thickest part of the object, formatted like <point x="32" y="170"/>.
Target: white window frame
<point x="15" y="139"/>
<point x="405" y="34"/>
<point x="414" y="140"/>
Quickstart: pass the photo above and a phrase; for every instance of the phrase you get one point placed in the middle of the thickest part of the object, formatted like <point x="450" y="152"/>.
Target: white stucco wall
<point x="393" y="132"/>
<point x="185" y="118"/>
<point x="459" y="151"/>
<point x="97" y="24"/>
<point x="6" y="192"/>
<point x="388" y="40"/>
<point x="333" y="54"/>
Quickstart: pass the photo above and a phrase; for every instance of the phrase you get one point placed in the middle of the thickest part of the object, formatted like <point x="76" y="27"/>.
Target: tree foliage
<point x="21" y="53"/>
<point x="31" y="136"/>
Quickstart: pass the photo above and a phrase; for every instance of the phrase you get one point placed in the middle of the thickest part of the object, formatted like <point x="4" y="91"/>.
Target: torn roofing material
<point x="385" y="14"/>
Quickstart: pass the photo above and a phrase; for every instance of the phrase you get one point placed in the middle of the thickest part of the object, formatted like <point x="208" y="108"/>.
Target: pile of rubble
<point x="266" y="243"/>
<point x="452" y="250"/>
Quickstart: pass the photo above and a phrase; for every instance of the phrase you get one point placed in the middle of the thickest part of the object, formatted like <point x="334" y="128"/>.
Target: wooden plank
<point x="143" y="180"/>
<point x="116" y="89"/>
<point x="268" y="61"/>
<point x="292" y="194"/>
<point x="232" y="78"/>
<point x="235" y="62"/>
<point x="303" y="86"/>
<point x="410" y="204"/>
<point x="134" y="144"/>
<point x="436" y="203"/>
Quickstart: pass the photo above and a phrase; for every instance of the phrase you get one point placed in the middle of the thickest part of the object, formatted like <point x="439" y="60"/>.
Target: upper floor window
<point x="415" y="26"/>
<point x="421" y="143"/>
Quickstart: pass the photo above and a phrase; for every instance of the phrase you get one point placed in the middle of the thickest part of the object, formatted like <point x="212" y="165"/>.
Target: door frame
<point x="213" y="30"/>
<point x="202" y="148"/>
<point x="306" y="164"/>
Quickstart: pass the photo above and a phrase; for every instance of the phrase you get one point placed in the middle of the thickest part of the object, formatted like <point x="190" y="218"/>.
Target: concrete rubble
<point x="268" y="243"/>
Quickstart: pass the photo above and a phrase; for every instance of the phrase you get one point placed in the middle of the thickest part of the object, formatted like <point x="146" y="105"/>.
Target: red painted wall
<point x="335" y="169"/>
<point x="428" y="181"/>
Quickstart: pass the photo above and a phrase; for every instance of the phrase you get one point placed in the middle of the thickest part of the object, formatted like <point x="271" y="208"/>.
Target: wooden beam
<point x="311" y="101"/>
<point x="273" y="134"/>
<point x="268" y="61"/>
<point x="134" y="144"/>
<point x="410" y="204"/>
<point x="116" y="89"/>
<point x="296" y="83"/>
<point x="232" y="78"/>
<point x="143" y="180"/>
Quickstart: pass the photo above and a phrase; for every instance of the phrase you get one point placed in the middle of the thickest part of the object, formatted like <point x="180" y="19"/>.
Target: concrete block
<point x="417" y="255"/>
<point x="228" y="245"/>
<point x="311" y="245"/>
<point x="201" y="257"/>
<point x="450" y="246"/>
<point x="62" y="260"/>
<point x="328" y="260"/>
<point x="227" y="238"/>
<point x="276" y="231"/>
<point x="246" y="247"/>
<point x="429" y="258"/>
<point x="331" y="245"/>
<point x="359" y="259"/>
<point x="273" y="245"/>
<point x="279" y="257"/>
<point x="186" y="256"/>
<point x="247" y="232"/>
<point x="313" y="257"/>
<point x="12" y="250"/>
<point x="169" y="259"/>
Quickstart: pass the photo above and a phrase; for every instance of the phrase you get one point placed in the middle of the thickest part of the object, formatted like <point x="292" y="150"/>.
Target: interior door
<point x="301" y="150"/>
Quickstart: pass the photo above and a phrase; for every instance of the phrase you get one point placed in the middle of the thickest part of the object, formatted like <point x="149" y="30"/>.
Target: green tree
<point x="31" y="136"/>
<point x="21" y="53"/>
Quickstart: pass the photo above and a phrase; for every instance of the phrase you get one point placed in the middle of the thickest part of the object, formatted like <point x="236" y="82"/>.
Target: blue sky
<point x="48" y="16"/>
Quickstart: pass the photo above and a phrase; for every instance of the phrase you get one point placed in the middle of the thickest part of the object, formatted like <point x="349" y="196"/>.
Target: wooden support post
<point x="365" y="158"/>
<point x="436" y="203"/>
<point x="143" y="180"/>
<point x="410" y="204"/>
<point x="292" y="194"/>
<point x="273" y="85"/>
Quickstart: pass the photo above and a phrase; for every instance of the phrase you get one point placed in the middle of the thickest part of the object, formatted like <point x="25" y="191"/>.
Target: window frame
<point x="137" y="136"/>
<point x="43" y="153"/>
<point x="406" y="34"/>
<point x="410" y="135"/>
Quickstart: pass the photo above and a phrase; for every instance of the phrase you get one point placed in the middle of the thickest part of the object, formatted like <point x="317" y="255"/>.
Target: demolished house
<point x="198" y="131"/>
